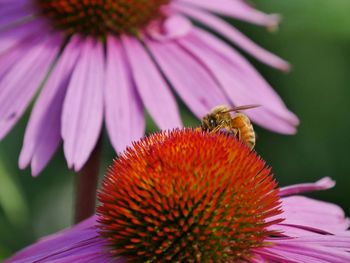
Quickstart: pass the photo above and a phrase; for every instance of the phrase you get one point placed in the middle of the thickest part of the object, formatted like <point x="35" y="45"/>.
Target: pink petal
<point x="21" y="81"/>
<point x="323" y="184"/>
<point x="10" y="58"/>
<point x="298" y="230"/>
<point x="15" y="35"/>
<point x="263" y="255"/>
<point x="15" y="3"/>
<point x="59" y="241"/>
<point x="151" y="86"/>
<point x="15" y="11"/>
<point x="83" y="106"/>
<point x="336" y="241"/>
<point x="301" y="251"/>
<point x="306" y="212"/>
<point x="77" y="244"/>
<point x="174" y="26"/>
<point x="188" y="76"/>
<point x="235" y="36"/>
<point x="43" y="133"/>
<point x="241" y="82"/>
<point x="124" y="111"/>
<point x="235" y="9"/>
<point x="212" y="43"/>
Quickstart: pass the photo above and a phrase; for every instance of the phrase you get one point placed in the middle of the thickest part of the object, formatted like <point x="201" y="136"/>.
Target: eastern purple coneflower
<point x="186" y="196"/>
<point x="96" y="60"/>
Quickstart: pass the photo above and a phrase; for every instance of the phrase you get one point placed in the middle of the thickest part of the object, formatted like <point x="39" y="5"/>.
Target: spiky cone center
<point x="187" y="196"/>
<point x="100" y="17"/>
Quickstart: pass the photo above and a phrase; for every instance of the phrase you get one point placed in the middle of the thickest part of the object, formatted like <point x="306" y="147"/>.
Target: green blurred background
<point x="314" y="36"/>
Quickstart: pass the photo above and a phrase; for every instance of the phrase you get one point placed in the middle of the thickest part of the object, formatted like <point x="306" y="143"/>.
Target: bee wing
<point x="244" y="107"/>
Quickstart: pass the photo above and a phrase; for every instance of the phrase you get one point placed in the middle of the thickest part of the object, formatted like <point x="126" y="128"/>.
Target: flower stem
<point x="86" y="186"/>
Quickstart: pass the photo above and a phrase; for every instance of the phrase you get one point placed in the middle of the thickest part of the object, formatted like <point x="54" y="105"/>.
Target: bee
<point x="239" y="125"/>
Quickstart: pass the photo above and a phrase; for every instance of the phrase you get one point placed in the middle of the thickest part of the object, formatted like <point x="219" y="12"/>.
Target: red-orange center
<point x="99" y="17"/>
<point x="187" y="196"/>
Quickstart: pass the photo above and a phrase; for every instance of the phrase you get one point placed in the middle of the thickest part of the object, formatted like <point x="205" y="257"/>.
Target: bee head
<point x="209" y="122"/>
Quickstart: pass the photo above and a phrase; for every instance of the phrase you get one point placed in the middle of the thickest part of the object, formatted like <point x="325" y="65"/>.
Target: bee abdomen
<point x="245" y="129"/>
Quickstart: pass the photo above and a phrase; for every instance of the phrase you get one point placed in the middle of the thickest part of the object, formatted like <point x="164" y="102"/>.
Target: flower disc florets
<point x="187" y="196"/>
<point x="99" y="17"/>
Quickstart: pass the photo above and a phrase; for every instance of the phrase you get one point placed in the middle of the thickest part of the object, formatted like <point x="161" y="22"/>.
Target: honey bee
<point x="239" y="125"/>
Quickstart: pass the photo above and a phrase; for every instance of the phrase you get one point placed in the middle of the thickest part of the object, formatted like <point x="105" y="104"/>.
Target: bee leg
<point x="239" y="136"/>
<point x="216" y="129"/>
<point x="234" y="132"/>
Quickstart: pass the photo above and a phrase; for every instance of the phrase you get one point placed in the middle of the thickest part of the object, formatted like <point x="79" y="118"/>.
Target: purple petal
<point x="212" y="43"/>
<point x="20" y="82"/>
<point x="301" y="251"/>
<point x="154" y="91"/>
<point x="198" y="89"/>
<point x="337" y="241"/>
<point x="298" y="230"/>
<point x="236" y="9"/>
<point x="77" y="244"/>
<point x="11" y="4"/>
<point x="323" y="184"/>
<point x="124" y="111"/>
<point x="11" y="57"/>
<point x="43" y="133"/>
<point x="83" y="106"/>
<point x="174" y="26"/>
<point x="262" y="255"/>
<point x="16" y="53"/>
<point x="235" y="36"/>
<point x="14" y="12"/>
<point x="241" y="82"/>
<point x="306" y="213"/>
<point x="15" y="35"/>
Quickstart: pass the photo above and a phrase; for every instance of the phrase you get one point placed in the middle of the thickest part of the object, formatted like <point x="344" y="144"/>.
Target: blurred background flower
<point x="113" y="60"/>
<point x="315" y="40"/>
<point x="169" y="199"/>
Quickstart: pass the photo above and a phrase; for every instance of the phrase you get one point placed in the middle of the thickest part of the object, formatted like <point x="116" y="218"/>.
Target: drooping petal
<point x="12" y="12"/>
<point x="15" y="4"/>
<point x="154" y="91"/>
<point x="323" y="184"/>
<point x="173" y="27"/>
<point x="340" y="241"/>
<point x="296" y="250"/>
<point x="242" y="84"/>
<point x="236" y="9"/>
<point x="235" y="36"/>
<point x="43" y="133"/>
<point x="10" y="58"/>
<point x="82" y="114"/>
<point x="20" y="82"/>
<point x="124" y="111"/>
<point x="262" y="255"/>
<point x="222" y="49"/>
<point x="307" y="213"/>
<point x="188" y="76"/>
<point x="15" y="35"/>
<point x="77" y="244"/>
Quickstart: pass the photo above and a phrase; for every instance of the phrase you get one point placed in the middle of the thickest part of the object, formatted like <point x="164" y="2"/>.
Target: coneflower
<point x="187" y="196"/>
<point x="111" y="60"/>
